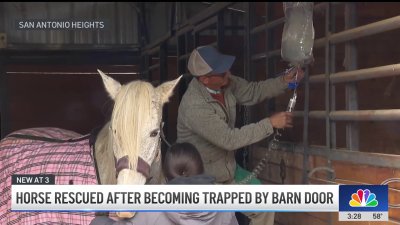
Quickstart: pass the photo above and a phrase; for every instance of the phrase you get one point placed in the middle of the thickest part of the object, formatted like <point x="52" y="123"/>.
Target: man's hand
<point x="282" y="120"/>
<point x="291" y="76"/>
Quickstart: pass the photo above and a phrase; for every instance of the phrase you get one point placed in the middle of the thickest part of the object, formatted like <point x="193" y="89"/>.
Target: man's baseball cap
<point x="206" y="59"/>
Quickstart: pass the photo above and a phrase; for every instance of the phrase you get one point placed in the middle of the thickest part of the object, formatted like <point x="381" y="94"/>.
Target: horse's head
<point x="135" y="126"/>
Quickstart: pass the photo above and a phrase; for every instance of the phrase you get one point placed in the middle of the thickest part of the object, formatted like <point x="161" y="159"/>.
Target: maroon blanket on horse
<point x="71" y="162"/>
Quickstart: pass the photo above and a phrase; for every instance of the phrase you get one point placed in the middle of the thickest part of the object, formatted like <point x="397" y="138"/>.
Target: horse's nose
<point x="125" y="214"/>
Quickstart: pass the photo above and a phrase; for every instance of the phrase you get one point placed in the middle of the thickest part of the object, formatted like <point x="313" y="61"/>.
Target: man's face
<point x="216" y="81"/>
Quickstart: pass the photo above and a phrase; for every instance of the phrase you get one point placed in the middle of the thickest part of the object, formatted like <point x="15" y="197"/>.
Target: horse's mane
<point x="131" y="111"/>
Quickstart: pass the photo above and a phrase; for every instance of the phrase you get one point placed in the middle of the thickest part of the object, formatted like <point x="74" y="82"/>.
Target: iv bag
<point x="298" y="33"/>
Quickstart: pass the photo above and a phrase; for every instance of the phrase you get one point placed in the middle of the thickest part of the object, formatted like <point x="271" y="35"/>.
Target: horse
<point x="120" y="153"/>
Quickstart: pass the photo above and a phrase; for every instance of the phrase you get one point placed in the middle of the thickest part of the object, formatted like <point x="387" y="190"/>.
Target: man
<point x="207" y="114"/>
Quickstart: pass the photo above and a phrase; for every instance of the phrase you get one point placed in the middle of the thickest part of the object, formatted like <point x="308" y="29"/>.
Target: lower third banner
<point x="284" y="198"/>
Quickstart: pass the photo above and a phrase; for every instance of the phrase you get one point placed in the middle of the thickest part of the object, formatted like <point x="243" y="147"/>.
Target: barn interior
<point x="347" y="116"/>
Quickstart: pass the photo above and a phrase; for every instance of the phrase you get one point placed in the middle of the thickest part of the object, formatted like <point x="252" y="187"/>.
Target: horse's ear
<point x="112" y="86"/>
<point x="166" y="89"/>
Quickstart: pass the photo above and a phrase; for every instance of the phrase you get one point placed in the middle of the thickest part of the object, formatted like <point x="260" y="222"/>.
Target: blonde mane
<point x="133" y="132"/>
<point x="132" y="109"/>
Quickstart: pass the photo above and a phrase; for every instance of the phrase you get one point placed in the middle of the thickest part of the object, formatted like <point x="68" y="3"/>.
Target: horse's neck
<point x="105" y="157"/>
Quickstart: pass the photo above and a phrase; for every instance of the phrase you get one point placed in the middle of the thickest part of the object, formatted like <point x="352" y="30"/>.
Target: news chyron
<point x="353" y="202"/>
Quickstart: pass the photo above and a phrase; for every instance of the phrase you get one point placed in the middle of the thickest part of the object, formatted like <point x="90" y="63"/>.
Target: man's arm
<point x="211" y="127"/>
<point x="250" y="93"/>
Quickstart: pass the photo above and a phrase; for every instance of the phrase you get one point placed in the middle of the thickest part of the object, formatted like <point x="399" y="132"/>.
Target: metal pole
<point x="367" y="115"/>
<point x="153" y="67"/>
<point x="332" y="69"/>
<point x="247" y="115"/>
<point x="220" y="30"/>
<point x="358" y="32"/>
<point x="4" y="97"/>
<point x="305" y="127"/>
<point x="164" y="77"/>
<point x="327" y="80"/>
<point x="248" y="50"/>
<point x="362" y="31"/>
<point x="267" y="25"/>
<point x="196" y="36"/>
<point x="212" y="10"/>
<point x="206" y="24"/>
<point x="344" y="155"/>
<point x="352" y="129"/>
<point x="367" y="30"/>
<point x="268" y="41"/>
<point x="189" y="47"/>
<point x="181" y="63"/>
<point x="361" y="74"/>
<point x="177" y="15"/>
<point x="357" y="115"/>
<point x="270" y="44"/>
<point x="4" y="102"/>
<point x="144" y="67"/>
<point x="163" y="63"/>
<point x="328" y="87"/>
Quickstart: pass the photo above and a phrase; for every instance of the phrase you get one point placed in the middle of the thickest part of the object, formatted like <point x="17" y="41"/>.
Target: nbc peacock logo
<point x="363" y="198"/>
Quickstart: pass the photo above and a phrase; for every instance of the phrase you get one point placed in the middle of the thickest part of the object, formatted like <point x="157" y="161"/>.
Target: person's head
<point x="210" y="66"/>
<point x="182" y="160"/>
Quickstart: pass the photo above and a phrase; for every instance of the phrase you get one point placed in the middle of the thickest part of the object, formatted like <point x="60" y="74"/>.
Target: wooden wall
<point x="76" y="102"/>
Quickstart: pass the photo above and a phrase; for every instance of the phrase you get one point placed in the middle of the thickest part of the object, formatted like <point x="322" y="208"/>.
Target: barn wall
<point x="70" y="97"/>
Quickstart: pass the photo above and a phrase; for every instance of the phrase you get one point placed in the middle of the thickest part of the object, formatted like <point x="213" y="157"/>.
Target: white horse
<point x="134" y="129"/>
<point x="124" y="149"/>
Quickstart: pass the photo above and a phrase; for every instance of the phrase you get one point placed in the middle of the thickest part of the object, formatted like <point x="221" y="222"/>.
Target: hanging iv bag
<point x="298" y="33"/>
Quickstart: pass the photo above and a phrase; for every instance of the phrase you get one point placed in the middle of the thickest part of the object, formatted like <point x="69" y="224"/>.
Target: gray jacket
<point x="173" y="218"/>
<point x="208" y="125"/>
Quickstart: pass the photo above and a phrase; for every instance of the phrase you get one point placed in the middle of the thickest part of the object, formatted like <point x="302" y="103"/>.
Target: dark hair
<point x="182" y="160"/>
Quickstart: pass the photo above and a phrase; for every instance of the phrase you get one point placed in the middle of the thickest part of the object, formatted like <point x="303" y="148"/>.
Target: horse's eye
<point x="154" y="133"/>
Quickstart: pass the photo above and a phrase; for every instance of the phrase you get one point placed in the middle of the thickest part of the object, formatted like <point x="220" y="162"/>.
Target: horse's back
<point x="32" y="151"/>
<point x="48" y="132"/>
